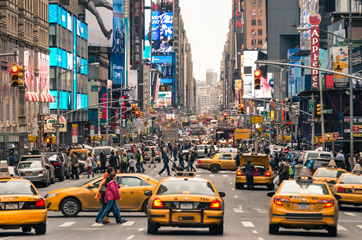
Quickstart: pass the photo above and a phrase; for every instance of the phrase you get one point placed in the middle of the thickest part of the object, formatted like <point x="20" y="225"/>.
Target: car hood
<point x="67" y="190"/>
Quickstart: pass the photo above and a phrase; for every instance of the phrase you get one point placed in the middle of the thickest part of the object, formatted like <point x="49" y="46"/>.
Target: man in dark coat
<point x="248" y="169"/>
<point x="103" y="159"/>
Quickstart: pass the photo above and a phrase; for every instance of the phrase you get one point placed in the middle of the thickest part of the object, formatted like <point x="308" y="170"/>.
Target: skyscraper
<point x="211" y="77"/>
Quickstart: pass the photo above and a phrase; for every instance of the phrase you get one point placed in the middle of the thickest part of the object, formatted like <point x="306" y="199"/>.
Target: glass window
<point x="260" y="32"/>
<point x="248" y="70"/>
<point x="260" y="41"/>
<point x="225" y="157"/>
<point x="16" y="187"/>
<point x="326" y="156"/>
<point x="260" y="2"/>
<point x="328" y="173"/>
<point x="351" y="179"/>
<point x="253" y="22"/>
<point x="253" y="13"/>
<point x="260" y="22"/>
<point x="186" y="187"/>
<point x="81" y="2"/>
<point x="312" y="155"/>
<point x="131" y="182"/>
<point x="253" y="2"/>
<point x="253" y="42"/>
<point x="29" y="165"/>
<point x="253" y="32"/>
<point x="52" y="78"/>
<point x="291" y="187"/>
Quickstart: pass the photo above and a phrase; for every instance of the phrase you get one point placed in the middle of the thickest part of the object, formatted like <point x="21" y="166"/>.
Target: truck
<point x="242" y="134"/>
<point x="171" y="134"/>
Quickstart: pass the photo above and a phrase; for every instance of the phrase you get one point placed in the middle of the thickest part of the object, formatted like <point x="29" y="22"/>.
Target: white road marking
<point x="211" y="175"/>
<point x="130" y="237"/>
<point x="261" y="210"/>
<point x="233" y="189"/>
<point x="238" y="210"/>
<point x="236" y="196"/>
<point x="231" y="183"/>
<point x="198" y="175"/>
<point x="340" y="228"/>
<point x="360" y="226"/>
<point x="254" y="231"/>
<point x="67" y="224"/>
<point x="225" y="175"/>
<point x="5" y="238"/>
<point x="97" y="224"/>
<point x="260" y="238"/>
<point x="141" y="229"/>
<point x="350" y="214"/>
<point x="248" y="224"/>
<point x="129" y="223"/>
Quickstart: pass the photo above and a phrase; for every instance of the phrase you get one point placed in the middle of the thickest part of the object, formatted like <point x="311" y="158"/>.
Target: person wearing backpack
<point x="284" y="171"/>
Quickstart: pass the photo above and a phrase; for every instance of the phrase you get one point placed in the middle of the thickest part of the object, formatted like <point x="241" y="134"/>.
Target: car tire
<point x="80" y="170"/>
<point x="41" y="229"/>
<point x="52" y="180"/>
<point x="270" y="186"/>
<point x="332" y="231"/>
<point x="217" y="229"/>
<point x="152" y="228"/>
<point x="26" y="229"/>
<point x="214" y="168"/>
<point x="144" y="206"/>
<point x="273" y="229"/>
<point x="61" y="178"/>
<point x="237" y="185"/>
<point x="70" y="207"/>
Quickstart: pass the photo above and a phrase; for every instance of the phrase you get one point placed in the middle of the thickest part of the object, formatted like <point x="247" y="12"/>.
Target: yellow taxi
<point x="21" y="206"/>
<point x="219" y="161"/>
<point x="303" y="203"/>
<point x="185" y="201"/>
<point x="349" y="187"/>
<point x="263" y="174"/>
<point x="328" y="175"/>
<point x="72" y="200"/>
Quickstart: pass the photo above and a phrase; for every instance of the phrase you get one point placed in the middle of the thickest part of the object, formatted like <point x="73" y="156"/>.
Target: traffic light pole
<point x="322" y="109"/>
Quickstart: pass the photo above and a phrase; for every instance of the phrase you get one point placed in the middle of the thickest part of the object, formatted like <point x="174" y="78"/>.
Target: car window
<point x="16" y="187"/>
<point x="96" y="183"/>
<point x="36" y="164"/>
<point x="326" y="156"/>
<point x="186" y="187"/>
<point x="328" y="173"/>
<point x="312" y="155"/>
<point x="225" y="157"/>
<point x="82" y="156"/>
<point x="292" y="187"/>
<point x="31" y="159"/>
<point x="131" y="181"/>
<point x="351" y="179"/>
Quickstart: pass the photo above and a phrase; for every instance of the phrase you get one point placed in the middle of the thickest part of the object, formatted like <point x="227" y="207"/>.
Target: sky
<point x="206" y="23"/>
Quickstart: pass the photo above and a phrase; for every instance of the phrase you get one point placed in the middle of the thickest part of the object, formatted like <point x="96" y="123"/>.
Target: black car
<point x="314" y="163"/>
<point x="59" y="169"/>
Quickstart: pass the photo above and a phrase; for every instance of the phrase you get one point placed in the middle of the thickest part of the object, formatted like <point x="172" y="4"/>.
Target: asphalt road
<point x="246" y="217"/>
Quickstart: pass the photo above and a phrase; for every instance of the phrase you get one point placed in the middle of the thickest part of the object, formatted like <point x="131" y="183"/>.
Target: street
<point x="246" y="217"/>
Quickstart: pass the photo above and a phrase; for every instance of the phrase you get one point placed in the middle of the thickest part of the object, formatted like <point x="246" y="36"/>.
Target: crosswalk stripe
<point x="262" y="211"/>
<point x="198" y="175"/>
<point x="238" y="210"/>
<point x="248" y="224"/>
<point x="67" y="224"/>
<point x="141" y="229"/>
<point x="254" y="231"/>
<point x="340" y="228"/>
<point x="350" y="214"/>
<point x="236" y="196"/>
<point x="225" y="175"/>
<point x="211" y="175"/>
<point x="130" y="237"/>
<point x="129" y="223"/>
<point x="97" y="224"/>
<point x="360" y="226"/>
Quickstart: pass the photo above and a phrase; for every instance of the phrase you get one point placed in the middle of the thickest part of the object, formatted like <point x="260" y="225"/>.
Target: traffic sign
<point x="257" y="119"/>
<point x="311" y="105"/>
<point x="328" y="111"/>
<point x="56" y="125"/>
<point x="264" y="113"/>
<point x="271" y="82"/>
<point x="312" y="120"/>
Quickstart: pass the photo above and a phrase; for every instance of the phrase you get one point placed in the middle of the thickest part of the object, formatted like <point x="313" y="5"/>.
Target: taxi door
<point x="132" y="192"/>
<point x="227" y="161"/>
<point x="88" y="196"/>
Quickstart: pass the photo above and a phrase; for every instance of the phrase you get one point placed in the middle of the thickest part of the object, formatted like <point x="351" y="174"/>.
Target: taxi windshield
<point x="16" y="187"/>
<point x="351" y="179"/>
<point x="186" y="187"/>
<point x="328" y="173"/>
<point x="291" y="187"/>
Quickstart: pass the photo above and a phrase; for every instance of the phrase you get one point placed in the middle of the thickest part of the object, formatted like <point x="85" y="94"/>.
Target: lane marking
<point x="254" y="231"/>
<point x="238" y="210"/>
<point x="236" y="196"/>
<point x="340" y="228"/>
<point x="130" y="237"/>
<point x="261" y="210"/>
<point x="199" y="171"/>
<point x="198" y="175"/>
<point x="225" y="175"/>
<point x="350" y="214"/>
<point x="248" y="224"/>
<point x="231" y="183"/>
<point x="66" y="224"/>
<point x="97" y="224"/>
<point x="211" y="175"/>
<point x="129" y="223"/>
<point x="360" y="226"/>
<point x="260" y="238"/>
<point x="233" y="189"/>
<point x="141" y="229"/>
<point x="5" y="238"/>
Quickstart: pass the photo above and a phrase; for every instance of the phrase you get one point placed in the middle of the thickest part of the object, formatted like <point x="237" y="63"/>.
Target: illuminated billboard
<point x="162" y="26"/>
<point x="164" y="99"/>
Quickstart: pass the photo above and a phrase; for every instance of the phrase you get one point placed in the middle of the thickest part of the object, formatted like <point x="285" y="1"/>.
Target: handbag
<point x="118" y="171"/>
<point x="103" y="189"/>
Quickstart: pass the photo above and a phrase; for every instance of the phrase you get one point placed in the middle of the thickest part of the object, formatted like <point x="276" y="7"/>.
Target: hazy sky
<point x="206" y="23"/>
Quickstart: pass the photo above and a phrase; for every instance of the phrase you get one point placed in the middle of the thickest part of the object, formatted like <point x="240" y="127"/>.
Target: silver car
<point x="35" y="172"/>
<point x="148" y="153"/>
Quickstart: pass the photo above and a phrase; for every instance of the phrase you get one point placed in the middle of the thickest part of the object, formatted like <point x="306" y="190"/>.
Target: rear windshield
<point x="316" y="163"/>
<point x="29" y="165"/>
<point x="328" y="173"/>
<point x="326" y="156"/>
<point x="16" y="187"/>
<point x="312" y="155"/>
<point x="351" y="179"/>
<point x="186" y="187"/>
<point x="31" y="159"/>
<point x="292" y="187"/>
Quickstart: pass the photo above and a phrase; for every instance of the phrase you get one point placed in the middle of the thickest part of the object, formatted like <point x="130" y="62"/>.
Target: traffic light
<point x="225" y="115"/>
<point x="257" y="75"/>
<point x="319" y="109"/>
<point x="133" y="107"/>
<point x="271" y="104"/>
<point x="16" y="75"/>
<point x="141" y="114"/>
<point x="49" y="141"/>
<point x="100" y="115"/>
<point x="137" y="113"/>
<point x="241" y="108"/>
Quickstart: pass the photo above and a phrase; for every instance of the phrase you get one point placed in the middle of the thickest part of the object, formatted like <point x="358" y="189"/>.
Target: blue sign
<point x="271" y="82"/>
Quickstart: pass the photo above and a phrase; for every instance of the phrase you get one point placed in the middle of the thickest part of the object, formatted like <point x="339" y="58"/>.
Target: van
<point x="315" y="154"/>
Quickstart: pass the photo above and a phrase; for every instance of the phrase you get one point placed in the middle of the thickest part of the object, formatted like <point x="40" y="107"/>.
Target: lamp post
<point x="58" y="95"/>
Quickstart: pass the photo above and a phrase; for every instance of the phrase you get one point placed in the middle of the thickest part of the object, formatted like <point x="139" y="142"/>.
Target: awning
<point x="34" y="97"/>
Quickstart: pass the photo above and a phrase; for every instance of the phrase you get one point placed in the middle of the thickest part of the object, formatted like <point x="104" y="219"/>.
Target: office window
<point x="81" y="2"/>
<point x="260" y="32"/>
<point x="260" y="41"/>
<point x="52" y="78"/>
<point x="52" y="35"/>
<point x="253" y="13"/>
<point x="253" y="32"/>
<point x="260" y="2"/>
<point x="253" y="2"/>
<point x="64" y="2"/>
<point x="260" y="22"/>
<point x="253" y="42"/>
<point x="253" y="22"/>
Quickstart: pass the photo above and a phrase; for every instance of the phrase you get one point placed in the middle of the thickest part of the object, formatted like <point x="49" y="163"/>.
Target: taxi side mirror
<point x="270" y="194"/>
<point x="222" y="194"/>
<point x="90" y="186"/>
<point x="338" y="197"/>
<point x="332" y="182"/>
<point x="148" y="193"/>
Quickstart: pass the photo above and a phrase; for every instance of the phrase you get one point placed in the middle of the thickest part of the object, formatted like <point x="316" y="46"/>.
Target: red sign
<point x="329" y="81"/>
<point x="335" y="135"/>
<point x="74" y="130"/>
<point x="355" y="128"/>
<point x="314" y="20"/>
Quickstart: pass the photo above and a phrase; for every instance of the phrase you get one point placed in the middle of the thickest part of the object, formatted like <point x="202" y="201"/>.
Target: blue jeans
<point x="182" y="165"/>
<point x="165" y="167"/>
<point x="104" y="206"/>
<point x="141" y="167"/>
<point x="112" y="204"/>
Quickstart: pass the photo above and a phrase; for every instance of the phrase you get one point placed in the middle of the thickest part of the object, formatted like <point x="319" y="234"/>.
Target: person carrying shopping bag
<point x="89" y="166"/>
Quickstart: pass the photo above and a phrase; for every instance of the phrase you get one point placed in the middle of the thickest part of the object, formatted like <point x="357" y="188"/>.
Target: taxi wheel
<point x="217" y="229"/>
<point x="144" y="206"/>
<point x="332" y="231"/>
<point x="26" y="229"/>
<point x="41" y="229"/>
<point x="70" y="207"/>
<point x="152" y="228"/>
<point x="273" y="229"/>
<point x="215" y="168"/>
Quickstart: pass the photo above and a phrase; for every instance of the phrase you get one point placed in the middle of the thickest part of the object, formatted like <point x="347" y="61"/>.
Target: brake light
<point x="40" y="203"/>
<point x="215" y="204"/>
<point x="158" y="153"/>
<point x="157" y="203"/>
<point x="239" y="173"/>
<point x="340" y="189"/>
<point x="279" y="201"/>
<point x="56" y="164"/>
<point x="267" y="173"/>
<point x="199" y="161"/>
<point x="328" y="202"/>
<point x="41" y="172"/>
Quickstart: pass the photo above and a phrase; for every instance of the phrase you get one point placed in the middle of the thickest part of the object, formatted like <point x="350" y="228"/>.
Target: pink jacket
<point x="112" y="192"/>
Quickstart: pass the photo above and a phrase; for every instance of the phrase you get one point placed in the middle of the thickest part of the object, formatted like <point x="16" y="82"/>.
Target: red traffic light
<point x="225" y="114"/>
<point x="14" y="69"/>
<point x="257" y="73"/>
<point x="136" y="112"/>
<point x="241" y="105"/>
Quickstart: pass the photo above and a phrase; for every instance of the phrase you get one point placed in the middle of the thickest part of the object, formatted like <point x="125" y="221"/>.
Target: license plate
<point x="28" y="173"/>
<point x="11" y="206"/>
<point x="358" y="191"/>
<point x="186" y="206"/>
<point x="186" y="218"/>
<point x="303" y="206"/>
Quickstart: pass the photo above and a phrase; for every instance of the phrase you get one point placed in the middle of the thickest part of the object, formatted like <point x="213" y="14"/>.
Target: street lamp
<point x="58" y="94"/>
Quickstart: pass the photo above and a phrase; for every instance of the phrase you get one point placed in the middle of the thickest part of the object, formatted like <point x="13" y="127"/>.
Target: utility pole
<point x="350" y="81"/>
<point x="322" y="108"/>
<point x="313" y="123"/>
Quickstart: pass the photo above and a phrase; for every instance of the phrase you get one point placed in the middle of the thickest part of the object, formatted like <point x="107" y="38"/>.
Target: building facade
<point x="211" y="77"/>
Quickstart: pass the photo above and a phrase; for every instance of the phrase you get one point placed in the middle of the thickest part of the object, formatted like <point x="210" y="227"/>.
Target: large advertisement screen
<point x="340" y="64"/>
<point x="164" y="99"/>
<point x="162" y="26"/>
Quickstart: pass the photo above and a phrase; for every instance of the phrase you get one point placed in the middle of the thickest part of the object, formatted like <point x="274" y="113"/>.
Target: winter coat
<point x="248" y="168"/>
<point x="112" y="192"/>
<point x="103" y="157"/>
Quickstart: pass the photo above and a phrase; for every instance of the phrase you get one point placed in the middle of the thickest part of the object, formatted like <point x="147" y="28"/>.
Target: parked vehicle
<point x="34" y="171"/>
<point x="58" y="167"/>
<point x="315" y="154"/>
<point x="46" y="163"/>
<point x="148" y="153"/>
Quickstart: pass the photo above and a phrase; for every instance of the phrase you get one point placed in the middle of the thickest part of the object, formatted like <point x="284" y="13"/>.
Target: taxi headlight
<point x="49" y="195"/>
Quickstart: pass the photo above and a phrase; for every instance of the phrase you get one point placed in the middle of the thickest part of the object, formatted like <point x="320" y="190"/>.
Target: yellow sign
<point x="146" y="123"/>
<point x="257" y="119"/>
<point x="74" y="125"/>
<point x="272" y="114"/>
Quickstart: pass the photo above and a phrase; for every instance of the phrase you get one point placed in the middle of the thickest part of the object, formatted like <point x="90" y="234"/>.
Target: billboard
<point x="164" y="99"/>
<point x="147" y="45"/>
<point x="162" y="26"/>
<point x="340" y="64"/>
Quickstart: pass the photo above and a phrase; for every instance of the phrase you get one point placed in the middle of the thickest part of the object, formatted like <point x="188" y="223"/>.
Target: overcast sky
<point x="206" y="23"/>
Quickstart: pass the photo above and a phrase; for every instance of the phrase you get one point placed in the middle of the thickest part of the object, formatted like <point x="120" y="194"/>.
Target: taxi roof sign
<point x="184" y="174"/>
<point x="4" y="170"/>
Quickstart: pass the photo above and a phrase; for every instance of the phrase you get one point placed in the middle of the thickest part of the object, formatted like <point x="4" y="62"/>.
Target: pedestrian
<point x="137" y="159"/>
<point x="175" y="151"/>
<point x="131" y="164"/>
<point x="103" y="159"/>
<point x="95" y="163"/>
<point x="111" y="197"/>
<point x="283" y="171"/>
<point x="113" y="161"/>
<point x="165" y="159"/>
<point x="248" y="170"/>
<point x="75" y="166"/>
<point x="340" y="156"/>
<point x="100" y="195"/>
<point x="181" y="160"/>
<point x="192" y="158"/>
<point x="298" y="168"/>
<point x="141" y="162"/>
<point x="237" y="159"/>
<point x="153" y="156"/>
<point x="89" y="166"/>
